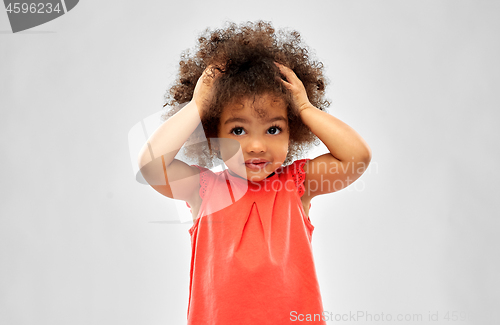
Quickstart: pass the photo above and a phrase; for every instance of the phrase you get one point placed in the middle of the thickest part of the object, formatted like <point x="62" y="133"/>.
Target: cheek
<point x="281" y="147"/>
<point x="229" y="147"/>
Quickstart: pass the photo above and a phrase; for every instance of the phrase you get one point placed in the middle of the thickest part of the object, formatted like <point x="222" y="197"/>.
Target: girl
<point x="260" y="101"/>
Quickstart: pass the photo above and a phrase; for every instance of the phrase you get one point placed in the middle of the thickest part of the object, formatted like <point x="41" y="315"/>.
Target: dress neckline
<point x="240" y="179"/>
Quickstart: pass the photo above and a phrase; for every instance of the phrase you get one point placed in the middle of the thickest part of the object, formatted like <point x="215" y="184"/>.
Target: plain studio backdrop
<point x="82" y="242"/>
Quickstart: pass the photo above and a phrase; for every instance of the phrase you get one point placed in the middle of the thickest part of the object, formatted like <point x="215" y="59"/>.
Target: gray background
<point x="81" y="242"/>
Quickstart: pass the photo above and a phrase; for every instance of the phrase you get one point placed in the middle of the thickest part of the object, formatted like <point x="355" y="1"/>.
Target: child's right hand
<point x="203" y="89"/>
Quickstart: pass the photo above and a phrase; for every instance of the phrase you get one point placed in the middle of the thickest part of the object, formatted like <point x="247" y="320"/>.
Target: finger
<point x="287" y="72"/>
<point x="210" y="73"/>
<point x="285" y="83"/>
<point x="282" y="68"/>
<point x="285" y="75"/>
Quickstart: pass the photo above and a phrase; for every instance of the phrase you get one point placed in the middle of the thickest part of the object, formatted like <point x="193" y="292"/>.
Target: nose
<point x="256" y="144"/>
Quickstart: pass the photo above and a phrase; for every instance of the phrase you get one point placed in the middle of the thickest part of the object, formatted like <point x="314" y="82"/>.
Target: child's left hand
<point x="295" y="86"/>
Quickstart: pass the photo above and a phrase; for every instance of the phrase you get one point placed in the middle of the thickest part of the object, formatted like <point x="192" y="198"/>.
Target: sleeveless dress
<point x="251" y="259"/>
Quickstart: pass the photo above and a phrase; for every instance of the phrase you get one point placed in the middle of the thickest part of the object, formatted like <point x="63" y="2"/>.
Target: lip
<point x="256" y="163"/>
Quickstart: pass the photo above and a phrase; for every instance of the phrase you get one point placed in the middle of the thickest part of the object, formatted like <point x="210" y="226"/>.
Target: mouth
<point x="256" y="163"/>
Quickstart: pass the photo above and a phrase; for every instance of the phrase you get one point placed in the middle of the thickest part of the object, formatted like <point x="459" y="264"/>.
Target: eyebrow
<point x="243" y="120"/>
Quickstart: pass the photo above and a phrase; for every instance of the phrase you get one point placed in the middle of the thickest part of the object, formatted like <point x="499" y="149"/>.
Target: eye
<point x="275" y="127"/>
<point x="238" y="128"/>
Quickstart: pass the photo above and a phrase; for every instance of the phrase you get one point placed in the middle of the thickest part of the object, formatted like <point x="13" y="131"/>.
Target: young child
<point x="260" y="99"/>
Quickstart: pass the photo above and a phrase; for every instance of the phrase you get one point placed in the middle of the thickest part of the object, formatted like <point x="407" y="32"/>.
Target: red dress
<point x="252" y="260"/>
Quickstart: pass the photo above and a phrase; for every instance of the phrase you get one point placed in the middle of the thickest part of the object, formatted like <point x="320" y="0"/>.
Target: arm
<point x="349" y="154"/>
<point x="156" y="158"/>
<point x="348" y="159"/>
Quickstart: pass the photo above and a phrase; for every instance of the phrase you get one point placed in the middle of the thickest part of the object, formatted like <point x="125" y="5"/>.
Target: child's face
<point x="254" y="125"/>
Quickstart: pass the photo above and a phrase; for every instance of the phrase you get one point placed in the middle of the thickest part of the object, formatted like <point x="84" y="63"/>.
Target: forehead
<point x="258" y="106"/>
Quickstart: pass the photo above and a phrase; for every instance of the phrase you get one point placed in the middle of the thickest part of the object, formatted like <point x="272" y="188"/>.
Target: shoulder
<point x="295" y="172"/>
<point x="295" y="168"/>
<point x="207" y="178"/>
<point x="326" y="174"/>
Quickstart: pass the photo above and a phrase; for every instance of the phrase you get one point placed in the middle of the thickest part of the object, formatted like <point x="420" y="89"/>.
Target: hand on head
<point x="204" y="86"/>
<point x="296" y="87"/>
<point x="203" y="89"/>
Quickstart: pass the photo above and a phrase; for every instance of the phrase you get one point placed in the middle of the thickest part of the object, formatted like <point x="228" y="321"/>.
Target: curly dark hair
<point x="245" y="55"/>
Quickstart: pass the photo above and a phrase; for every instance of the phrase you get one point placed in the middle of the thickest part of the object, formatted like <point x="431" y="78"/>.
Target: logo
<point x="28" y="14"/>
<point x="155" y="173"/>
